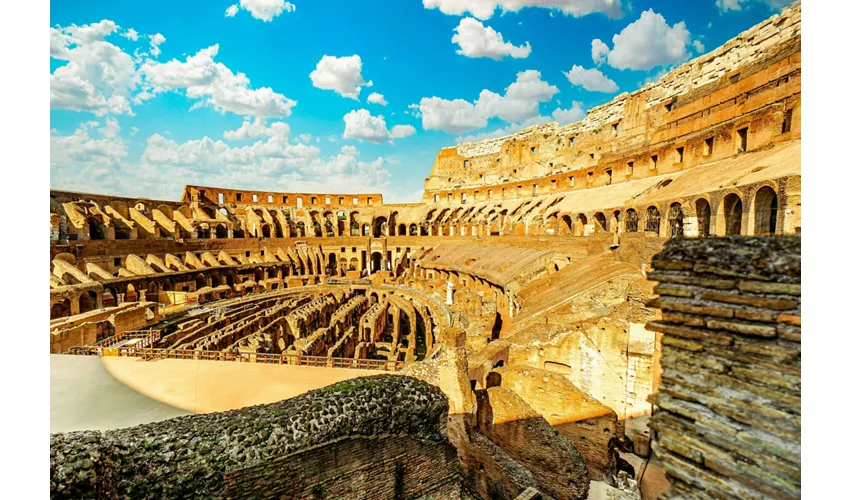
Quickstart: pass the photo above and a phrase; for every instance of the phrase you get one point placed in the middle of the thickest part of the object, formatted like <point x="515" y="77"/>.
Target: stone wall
<point x="729" y="414"/>
<point x="372" y="467"/>
<point x="190" y="457"/>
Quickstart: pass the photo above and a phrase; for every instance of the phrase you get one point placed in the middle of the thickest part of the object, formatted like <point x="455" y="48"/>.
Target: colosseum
<point x="606" y="307"/>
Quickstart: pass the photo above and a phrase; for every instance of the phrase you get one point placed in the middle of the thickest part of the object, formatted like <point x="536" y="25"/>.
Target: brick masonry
<point x="362" y="467"/>
<point x="728" y="419"/>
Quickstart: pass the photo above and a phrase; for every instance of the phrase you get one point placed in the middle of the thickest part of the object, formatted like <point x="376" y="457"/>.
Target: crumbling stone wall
<point x="729" y="401"/>
<point x="191" y="457"/>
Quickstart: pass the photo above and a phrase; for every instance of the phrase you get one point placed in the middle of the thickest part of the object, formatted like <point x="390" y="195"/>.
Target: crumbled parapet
<point x="729" y="401"/>
<point x="188" y="457"/>
<point x="558" y="468"/>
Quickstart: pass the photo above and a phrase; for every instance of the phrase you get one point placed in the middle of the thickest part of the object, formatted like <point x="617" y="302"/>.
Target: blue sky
<point x="147" y="96"/>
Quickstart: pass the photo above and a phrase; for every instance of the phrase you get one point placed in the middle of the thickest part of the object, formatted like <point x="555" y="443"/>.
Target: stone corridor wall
<point x="729" y="402"/>
<point x="371" y="467"/>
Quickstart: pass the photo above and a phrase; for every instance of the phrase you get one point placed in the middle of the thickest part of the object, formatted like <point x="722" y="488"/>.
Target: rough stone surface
<point x="187" y="457"/>
<point x="729" y="401"/>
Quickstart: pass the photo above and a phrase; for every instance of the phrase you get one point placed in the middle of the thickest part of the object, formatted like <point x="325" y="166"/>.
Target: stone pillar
<point x="142" y="294"/>
<point x="449" y="293"/>
<point x="119" y="299"/>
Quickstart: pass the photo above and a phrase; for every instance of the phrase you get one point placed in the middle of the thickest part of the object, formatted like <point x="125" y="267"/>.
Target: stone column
<point x="449" y="293"/>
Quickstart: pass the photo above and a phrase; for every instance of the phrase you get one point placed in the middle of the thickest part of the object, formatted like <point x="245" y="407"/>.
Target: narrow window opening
<point x="786" y="122"/>
<point x="610" y="173"/>
<point x="653" y="162"/>
<point x="680" y="155"/>
<point x="708" y="147"/>
<point x="742" y="139"/>
<point x="630" y="168"/>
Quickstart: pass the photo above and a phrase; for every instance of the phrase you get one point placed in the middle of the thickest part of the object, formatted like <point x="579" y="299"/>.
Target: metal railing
<point x="149" y="354"/>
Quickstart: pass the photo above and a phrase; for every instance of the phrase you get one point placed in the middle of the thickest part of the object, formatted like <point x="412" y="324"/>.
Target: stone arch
<point x="600" y="219"/>
<point x="364" y="230"/>
<point x="221" y="231"/>
<point x="376" y="261"/>
<point x="733" y="214"/>
<point x="565" y="225"/>
<point x="632" y="221"/>
<point x="353" y="264"/>
<point x="582" y="223"/>
<point x="653" y="220"/>
<point x="381" y="227"/>
<point x="88" y="301"/>
<point x="765" y="208"/>
<point x="703" y="210"/>
<point x="300" y="229"/>
<point x="60" y="309"/>
<point x="266" y="230"/>
<point x="414" y="230"/>
<point x="402" y="230"/>
<point x="676" y="220"/>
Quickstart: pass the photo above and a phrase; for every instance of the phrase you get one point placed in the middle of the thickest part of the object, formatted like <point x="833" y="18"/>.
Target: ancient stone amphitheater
<point x="611" y="305"/>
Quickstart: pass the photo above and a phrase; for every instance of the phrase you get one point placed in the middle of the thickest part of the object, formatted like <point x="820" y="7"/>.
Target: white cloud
<point x="402" y="131"/>
<point x="258" y="128"/>
<point x="590" y="79"/>
<point x="599" y="51"/>
<point x="79" y="157"/>
<point x="376" y="98"/>
<point x="520" y="102"/>
<point x="213" y="84"/>
<point x="156" y="41"/>
<point x="477" y="40"/>
<point x="350" y="150"/>
<point x="455" y="116"/>
<point x="650" y="42"/>
<point x="572" y="115"/>
<point x="134" y="131"/>
<point x="699" y="46"/>
<point x="265" y="10"/>
<point x="340" y="74"/>
<point x="131" y="34"/>
<point x="361" y="125"/>
<point x="737" y="5"/>
<point x="110" y="128"/>
<point x="98" y="77"/>
<point x="484" y="9"/>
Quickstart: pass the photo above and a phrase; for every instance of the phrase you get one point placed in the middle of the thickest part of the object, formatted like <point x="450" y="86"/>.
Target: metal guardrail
<point x="149" y="354"/>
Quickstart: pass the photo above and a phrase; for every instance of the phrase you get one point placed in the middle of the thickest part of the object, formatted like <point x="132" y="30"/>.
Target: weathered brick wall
<point x="729" y="401"/>
<point x="362" y="467"/>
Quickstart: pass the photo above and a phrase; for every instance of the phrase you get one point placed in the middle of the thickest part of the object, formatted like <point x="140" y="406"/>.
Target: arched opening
<point x="354" y="264"/>
<point x="601" y="221"/>
<point x="676" y="218"/>
<point x="329" y="224"/>
<point x="733" y="214"/>
<point x="566" y="227"/>
<point x="221" y="231"/>
<point x="653" y="220"/>
<point x="365" y="229"/>
<point x="97" y="231"/>
<point x="402" y="230"/>
<point x="300" y="229"/>
<point x="703" y="209"/>
<point x="380" y="227"/>
<point x="767" y="204"/>
<point x="376" y="261"/>
<point x="631" y="221"/>
<point x="60" y="309"/>
<point x="414" y="231"/>
<point x="582" y="223"/>
<point x="343" y="265"/>
<point x="204" y="231"/>
<point x="331" y="267"/>
<point x="266" y="231"/>
<point x="88" y="302"/>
